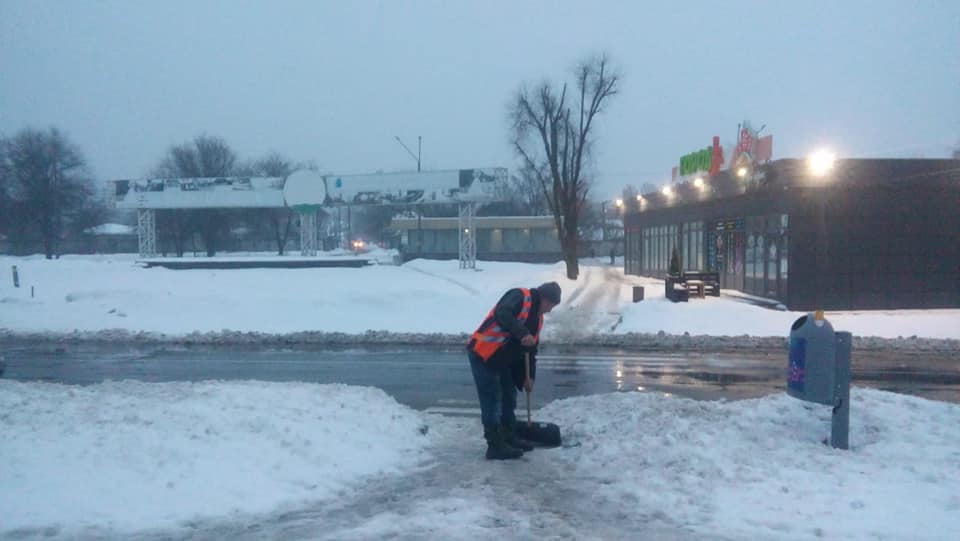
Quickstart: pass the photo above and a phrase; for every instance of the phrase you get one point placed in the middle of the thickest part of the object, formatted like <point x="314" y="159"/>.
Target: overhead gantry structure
<point x="307" y="191"/>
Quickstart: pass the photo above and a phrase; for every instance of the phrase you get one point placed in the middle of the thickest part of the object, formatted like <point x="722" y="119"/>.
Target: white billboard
<point x="305" y="188"/>
<point x="308" y="188"/>
<point x="196" y="193"/>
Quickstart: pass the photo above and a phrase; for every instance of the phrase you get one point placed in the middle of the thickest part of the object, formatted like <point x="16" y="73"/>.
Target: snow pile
<point x="756" y="469"/>
<point x="129" y="455"/>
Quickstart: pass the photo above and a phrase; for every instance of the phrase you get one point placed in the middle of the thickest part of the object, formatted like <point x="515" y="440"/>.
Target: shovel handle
<point x="526" y="363"/>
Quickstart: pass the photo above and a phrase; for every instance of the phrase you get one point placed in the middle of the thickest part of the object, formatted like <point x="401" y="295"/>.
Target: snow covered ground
<point x="100" y="293"/>
<point x="130" y="455"/>
<point x="255" y="460"/>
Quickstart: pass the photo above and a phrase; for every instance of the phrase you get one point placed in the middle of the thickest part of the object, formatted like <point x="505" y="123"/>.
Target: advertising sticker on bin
<point x="798" y="363"/>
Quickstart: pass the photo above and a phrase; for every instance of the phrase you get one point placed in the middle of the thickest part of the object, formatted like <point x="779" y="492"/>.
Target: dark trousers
<point x="498" y="395"/>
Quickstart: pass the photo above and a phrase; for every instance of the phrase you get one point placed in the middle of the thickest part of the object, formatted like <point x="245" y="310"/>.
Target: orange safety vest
<point x="489" y="336"/>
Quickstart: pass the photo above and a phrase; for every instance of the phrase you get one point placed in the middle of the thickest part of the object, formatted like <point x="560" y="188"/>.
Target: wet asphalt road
<point x="440" y="381"/>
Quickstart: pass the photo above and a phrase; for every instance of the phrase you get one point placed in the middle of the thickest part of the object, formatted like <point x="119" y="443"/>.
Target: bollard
<point x="16" y="277"/>
<point x="637" y="293"/>
<point x="840" y="421"/>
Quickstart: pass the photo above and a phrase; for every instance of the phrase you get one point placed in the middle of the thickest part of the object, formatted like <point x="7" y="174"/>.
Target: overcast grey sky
<point x="334" y="82"/>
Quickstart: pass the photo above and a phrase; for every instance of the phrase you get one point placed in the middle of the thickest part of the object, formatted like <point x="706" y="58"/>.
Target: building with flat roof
<point x="499" y="238"/>
<point x="864" y="234"/>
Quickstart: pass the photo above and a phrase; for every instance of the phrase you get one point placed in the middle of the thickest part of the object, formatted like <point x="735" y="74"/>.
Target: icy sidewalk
<point x="457" y="496"/>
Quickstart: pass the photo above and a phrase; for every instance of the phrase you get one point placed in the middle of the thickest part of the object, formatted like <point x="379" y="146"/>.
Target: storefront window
<point x="771" y="288"/>
<point x="783" y="260"/>
<point x="758" y="261"/>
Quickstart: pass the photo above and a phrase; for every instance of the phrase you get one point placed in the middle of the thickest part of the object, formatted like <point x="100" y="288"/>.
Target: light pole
<point x="419" y="208"/>
<point x="412" y="155"/>
<point x="820" y="164"/>
<point x="603" y="220"/>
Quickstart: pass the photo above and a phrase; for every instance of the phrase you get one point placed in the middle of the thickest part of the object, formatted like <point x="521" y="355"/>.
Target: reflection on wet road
<point x="439" y="381"/>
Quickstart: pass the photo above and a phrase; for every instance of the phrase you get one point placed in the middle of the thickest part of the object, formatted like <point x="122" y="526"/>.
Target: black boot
<point x="497" y="449"/>
<point x="513" y="441"/>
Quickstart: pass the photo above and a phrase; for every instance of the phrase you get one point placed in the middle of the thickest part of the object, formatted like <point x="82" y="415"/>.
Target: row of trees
<point x="46" y="191"/>
<point x="206" y="157"/>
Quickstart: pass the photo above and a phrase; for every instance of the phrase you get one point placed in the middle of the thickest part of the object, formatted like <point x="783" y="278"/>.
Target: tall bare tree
<point x="204" y="157"/>
<point x="44" y="185"/>
<point x="553" y="135"/>
<point x="281" y="220"/>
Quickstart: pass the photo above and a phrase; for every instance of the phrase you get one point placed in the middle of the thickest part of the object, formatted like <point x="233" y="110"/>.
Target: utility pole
<point x="412" y="155"/>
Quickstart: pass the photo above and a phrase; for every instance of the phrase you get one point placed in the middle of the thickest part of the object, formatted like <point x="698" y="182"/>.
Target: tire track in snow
<point x="465" y="287"/>
<point x="594" y="306"/>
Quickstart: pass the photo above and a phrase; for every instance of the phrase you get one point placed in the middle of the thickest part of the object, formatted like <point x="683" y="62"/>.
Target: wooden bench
<point x="702" y="283"/>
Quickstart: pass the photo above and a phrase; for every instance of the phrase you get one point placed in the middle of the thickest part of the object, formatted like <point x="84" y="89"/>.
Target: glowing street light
<point x="619" y="203"/>
<point x="667" y="191"/>
<point x="821" y="162"/>
<point x="698" y="182"/>
<point x="742" y="172"/>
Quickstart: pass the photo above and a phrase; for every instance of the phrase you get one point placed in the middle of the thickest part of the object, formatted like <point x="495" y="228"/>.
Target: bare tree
<point x="520" y="195"/>
<point x="552" y="134"/>
<point x="204" y="157"/>
<point x="44" y="184"/>
<point x="280" y="219"/>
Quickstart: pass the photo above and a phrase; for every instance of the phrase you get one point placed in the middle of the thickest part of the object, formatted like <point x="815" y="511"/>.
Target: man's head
<point x="549" y="296"/>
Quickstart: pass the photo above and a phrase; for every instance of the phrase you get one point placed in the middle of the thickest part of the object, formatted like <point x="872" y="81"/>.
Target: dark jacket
<point x="510" y="356"/>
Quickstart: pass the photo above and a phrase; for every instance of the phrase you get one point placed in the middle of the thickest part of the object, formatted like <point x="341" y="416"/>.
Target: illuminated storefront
<point x="865" y="234"/>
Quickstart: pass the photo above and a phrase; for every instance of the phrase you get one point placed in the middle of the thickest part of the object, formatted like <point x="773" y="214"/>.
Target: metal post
<point x="308" y="233"/>
<point x="603" y="221"/>
<point x="339" y="228"/>
<point x="840" y="420"/>
<point x="147" y="232"/>
<point x="16" y="277"/>
<point x="467" y="236"/>
<point x="349" y="228"/>
<point x="419" y="146"/>
<point x="419" y="230"/>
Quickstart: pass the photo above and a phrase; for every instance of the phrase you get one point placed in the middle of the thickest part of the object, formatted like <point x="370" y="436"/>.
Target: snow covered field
<point x="119" y="459"/>
<point x="101" y="293"/>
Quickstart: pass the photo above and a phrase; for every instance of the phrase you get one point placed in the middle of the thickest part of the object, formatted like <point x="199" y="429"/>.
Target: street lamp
<point x="821" y="162"/>
<point x="412" y="155"/>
